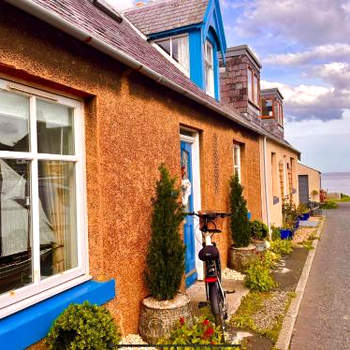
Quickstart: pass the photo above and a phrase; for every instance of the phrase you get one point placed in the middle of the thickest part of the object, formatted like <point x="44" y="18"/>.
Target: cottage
<point x="309" y="180"/>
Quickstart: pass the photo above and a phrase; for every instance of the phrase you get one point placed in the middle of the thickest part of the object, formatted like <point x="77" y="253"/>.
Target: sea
<point x="336" y="182"/>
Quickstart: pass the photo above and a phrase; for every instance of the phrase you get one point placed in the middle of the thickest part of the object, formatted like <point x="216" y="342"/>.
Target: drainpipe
<point x="265" y="187"/>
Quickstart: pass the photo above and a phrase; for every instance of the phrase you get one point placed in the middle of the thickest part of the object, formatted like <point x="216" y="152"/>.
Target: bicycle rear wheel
<point x="217" y="305"/>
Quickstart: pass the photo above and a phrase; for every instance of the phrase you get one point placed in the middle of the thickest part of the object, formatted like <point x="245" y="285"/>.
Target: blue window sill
<point x="32" y="324"/>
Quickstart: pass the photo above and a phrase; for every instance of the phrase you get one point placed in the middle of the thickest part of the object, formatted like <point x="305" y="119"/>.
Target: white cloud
<point x="331" y="52"/>
<point x="312" y="22"/>
<point x="121" y="4"/>
<point x="304" y="102"/>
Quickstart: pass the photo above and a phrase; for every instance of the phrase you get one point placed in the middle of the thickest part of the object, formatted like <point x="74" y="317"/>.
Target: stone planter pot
<point x="158" y="318"/>
<point x="260" y="246"/>
<point x="240" y="258"/>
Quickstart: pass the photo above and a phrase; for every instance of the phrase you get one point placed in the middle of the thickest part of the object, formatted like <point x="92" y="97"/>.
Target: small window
<point x="41" y="189"/>
<point x="237" y="160"/>
<point x="250" y="84"/>
<point x="256" y="90"/>
<point x="209" y="69"/>
<point x="177" y="48"/>
<point x="253" y="87"/>
<point x="267" y="108"/>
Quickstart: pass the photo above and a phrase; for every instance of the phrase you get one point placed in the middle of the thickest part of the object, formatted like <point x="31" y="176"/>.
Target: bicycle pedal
<point x="230" y="291"/>
<point x="202" y="304"/>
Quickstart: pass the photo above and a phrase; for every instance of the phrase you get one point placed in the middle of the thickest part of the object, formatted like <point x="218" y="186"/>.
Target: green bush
<point x="302" y="209"/>
<point x="329" y="205"/>
<point x="258" y="230"/>
<point x="281" y="246"/>
<point x="239" y="225"/>
<point x="166" y="251"/>
<point x="202" y="331"/>
<point x="83" y="326"/>
<point x="258" y="277"/>
<point x="275" y="233"/>
<point x="270" y="258"/>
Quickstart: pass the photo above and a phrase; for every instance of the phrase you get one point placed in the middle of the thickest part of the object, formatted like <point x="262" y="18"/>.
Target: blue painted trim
<point x="32" y="324"/>
<point x="197" y="74"/>
<point x="176" y="31"/>
<point x="213" y="18"/>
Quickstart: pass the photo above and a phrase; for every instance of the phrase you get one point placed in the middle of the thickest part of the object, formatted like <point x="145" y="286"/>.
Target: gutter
<point x="65" y="26"/>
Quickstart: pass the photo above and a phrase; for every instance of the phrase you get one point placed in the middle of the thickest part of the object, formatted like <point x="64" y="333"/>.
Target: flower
<point x="206" y="322"/>
<point x="182" y="321"/>
<point x="208" y="332"/>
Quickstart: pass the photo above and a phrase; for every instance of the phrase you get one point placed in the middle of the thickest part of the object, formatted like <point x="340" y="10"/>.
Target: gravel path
<point x="324" y="318"/>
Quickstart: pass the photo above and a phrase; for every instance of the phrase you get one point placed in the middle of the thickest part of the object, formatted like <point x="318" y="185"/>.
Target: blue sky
<point x="304" y="47"/>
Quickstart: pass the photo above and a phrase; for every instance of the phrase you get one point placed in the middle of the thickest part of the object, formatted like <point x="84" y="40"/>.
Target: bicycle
<point x="209" y="254"/>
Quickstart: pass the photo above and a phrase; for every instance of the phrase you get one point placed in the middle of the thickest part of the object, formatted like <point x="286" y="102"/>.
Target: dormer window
<point x="267" y="107"/>
<point x="279" y="112"/>
<point x="209" y="69"/>
<point x="176" y="47"/>
<point x="253" y="87"/>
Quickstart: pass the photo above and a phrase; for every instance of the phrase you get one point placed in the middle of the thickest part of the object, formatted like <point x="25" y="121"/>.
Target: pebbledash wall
<point x="131" y="126"/>
<point x="282" y="181"/>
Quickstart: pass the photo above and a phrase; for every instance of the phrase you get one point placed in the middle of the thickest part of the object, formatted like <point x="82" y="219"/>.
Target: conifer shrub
<point x="166" y="251"/>
<point x="239" y="224"/>
<point x="83" y="326"/>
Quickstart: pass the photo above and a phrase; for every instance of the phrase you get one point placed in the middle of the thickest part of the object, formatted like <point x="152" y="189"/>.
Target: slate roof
<point x="166" y="15"/>
<point x="82" y="14"/>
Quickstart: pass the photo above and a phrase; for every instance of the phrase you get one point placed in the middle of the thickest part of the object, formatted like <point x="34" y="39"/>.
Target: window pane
<point x="55" y="128"/>
<point x="181" y="51"/>
<point x="249" y="83"/>
<point x="15" y="225"/>
<point x="14" y="119"/>
<point x="209" y="53"/>
<point x="57" y="212"/>
<point x="256" y="90"/>
<point x="165" y="45"/>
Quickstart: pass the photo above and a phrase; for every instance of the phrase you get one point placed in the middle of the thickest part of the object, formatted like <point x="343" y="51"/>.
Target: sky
<point x="304" y="48"/>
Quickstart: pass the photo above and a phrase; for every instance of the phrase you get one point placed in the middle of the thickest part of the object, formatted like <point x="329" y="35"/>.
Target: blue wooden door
<point x="189" y="238"/>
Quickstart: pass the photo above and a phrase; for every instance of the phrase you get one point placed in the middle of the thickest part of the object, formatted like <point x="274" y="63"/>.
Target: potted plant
<point x="290" y="218"/>
<point x="258" y="232"/>
<point x="303" y="212"/>
<point x="164" y="264"/>
<point x="242" y="252"/>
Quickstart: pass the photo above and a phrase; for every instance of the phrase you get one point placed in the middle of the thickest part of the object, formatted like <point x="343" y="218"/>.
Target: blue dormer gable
<point x="192" y="47"/>
<point x="210" y="30"/>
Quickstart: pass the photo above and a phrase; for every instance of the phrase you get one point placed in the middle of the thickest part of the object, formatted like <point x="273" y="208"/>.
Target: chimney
<point x="240" y="82"/>
<point x="272" y="118"/>
<point x="139" y="4"/>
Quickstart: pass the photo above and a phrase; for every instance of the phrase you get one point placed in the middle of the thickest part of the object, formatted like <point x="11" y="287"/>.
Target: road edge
<point x="286" y="332"/>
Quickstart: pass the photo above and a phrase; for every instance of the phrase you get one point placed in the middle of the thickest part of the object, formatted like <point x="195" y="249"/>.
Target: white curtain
<point x="14" y="217"/>
<point x="183" y="51"/>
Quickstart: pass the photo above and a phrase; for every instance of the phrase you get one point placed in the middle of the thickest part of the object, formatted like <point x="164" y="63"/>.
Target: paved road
<point x="324" y="317"/>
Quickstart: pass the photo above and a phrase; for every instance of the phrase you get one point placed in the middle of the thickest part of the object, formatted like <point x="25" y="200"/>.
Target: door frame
<point x="194" y="141"/>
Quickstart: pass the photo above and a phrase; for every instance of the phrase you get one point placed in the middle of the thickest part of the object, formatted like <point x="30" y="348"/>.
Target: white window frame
<point x="237" y="167"/>
<point x="209" y="69"/>
<point x="185" y="70"/>
<point x="38" y="290"/>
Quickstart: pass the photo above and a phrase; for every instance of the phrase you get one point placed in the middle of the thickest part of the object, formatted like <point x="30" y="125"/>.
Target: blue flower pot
<point x="305" y="217"/>
<point x="285" y="234"/>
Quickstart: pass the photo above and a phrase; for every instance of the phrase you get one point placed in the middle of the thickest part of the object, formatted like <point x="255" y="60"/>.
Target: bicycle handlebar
<point x="211" y="215"/>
